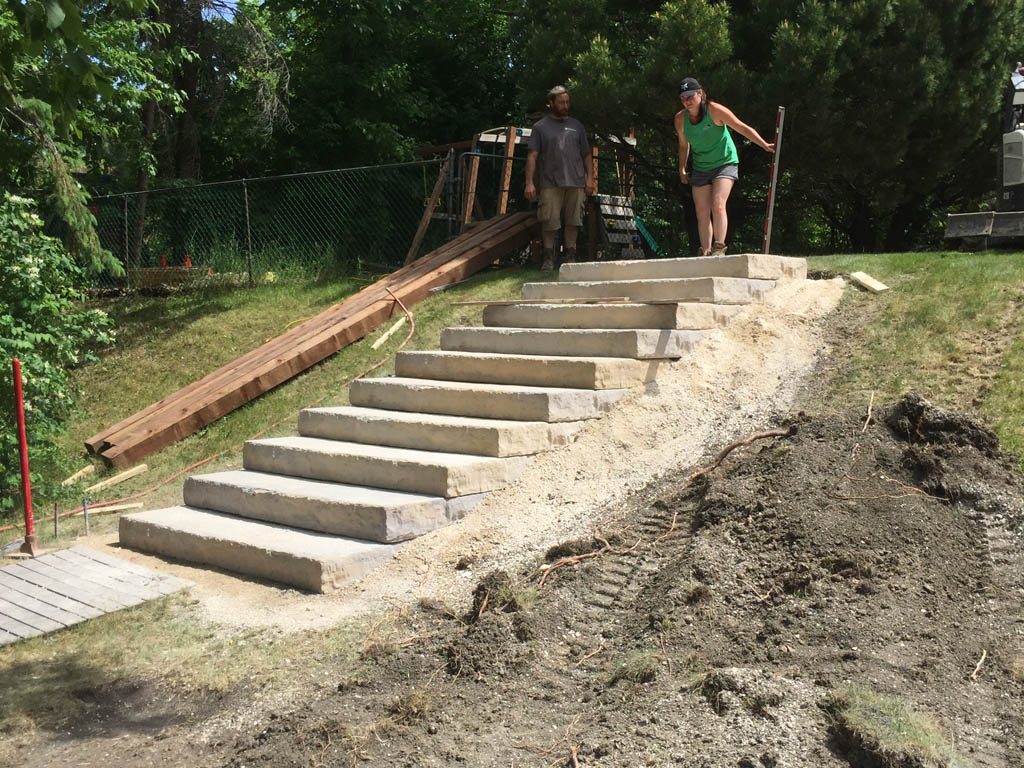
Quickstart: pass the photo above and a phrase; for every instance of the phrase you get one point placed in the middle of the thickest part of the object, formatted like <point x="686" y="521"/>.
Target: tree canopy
<point x="892" y="107"/>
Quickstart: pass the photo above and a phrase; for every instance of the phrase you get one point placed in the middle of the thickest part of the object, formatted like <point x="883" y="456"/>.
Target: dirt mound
<point x="718" y="623"/>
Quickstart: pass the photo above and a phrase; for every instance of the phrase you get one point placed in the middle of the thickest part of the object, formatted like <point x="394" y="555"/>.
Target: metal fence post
<point x="248" y="233"/>
<point x="125" y="198"/>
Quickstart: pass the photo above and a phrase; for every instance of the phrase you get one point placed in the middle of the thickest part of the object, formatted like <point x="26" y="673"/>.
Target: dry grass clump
<point x="635" y="667"/>
<point x="890" y="731"/>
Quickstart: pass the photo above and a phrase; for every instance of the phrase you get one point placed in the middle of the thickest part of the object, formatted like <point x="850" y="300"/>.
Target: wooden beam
<point x="195" y="406"/>
<point x="469" y="201"/>
<point x="428" y="212"/>
<point x="251" y="364"/>
<point x="506" y="170"/>
<point x="593" y="159"/>
<point x="864" y="280"/>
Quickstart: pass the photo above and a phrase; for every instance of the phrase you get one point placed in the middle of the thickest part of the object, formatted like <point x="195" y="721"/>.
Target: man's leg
<point x="573" y="217"/>
<point x="550" y="214"/>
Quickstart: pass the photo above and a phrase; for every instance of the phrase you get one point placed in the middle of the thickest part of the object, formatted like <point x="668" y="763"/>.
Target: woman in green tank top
<point x="702" y="127"/>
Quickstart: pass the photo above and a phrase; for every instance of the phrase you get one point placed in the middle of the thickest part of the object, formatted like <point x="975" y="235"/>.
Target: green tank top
<point x="711" y="145"/>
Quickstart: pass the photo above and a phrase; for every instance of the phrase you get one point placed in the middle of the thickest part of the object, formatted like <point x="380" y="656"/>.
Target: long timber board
<point x="231" y="386"/>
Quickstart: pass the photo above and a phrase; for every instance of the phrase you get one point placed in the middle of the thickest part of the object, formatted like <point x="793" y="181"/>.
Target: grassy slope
<point x="949" y="328"/>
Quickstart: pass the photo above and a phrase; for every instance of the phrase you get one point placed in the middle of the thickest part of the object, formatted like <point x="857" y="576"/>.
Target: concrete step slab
<point x="311" y="561"/>
<point x="401" y="469"/>
<point x="712" y="290"/>
<point x="531" y="370"/>
<point x="432" y="431"/>
<point x="339" y="509"/>
<point x="488" y="401"/>
<point x="641" y="344"/>
<point x="752" y="265"/>
<point x="691" y="316"/>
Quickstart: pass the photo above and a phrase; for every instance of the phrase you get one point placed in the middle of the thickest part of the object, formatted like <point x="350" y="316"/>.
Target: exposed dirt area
<point x="714" y="620"/>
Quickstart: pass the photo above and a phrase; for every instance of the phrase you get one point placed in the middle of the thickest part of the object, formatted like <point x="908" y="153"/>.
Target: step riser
<point x="757" y="266"/>
<point x="565" y="405"/>
<point x="522" y="439"/>
<point x="530" y="371"/>
<point x="433" y="480"/>
<point x="709" y="290"/>
<point x="692" y="316"/>
<point x="386" y="525"/>
<point x="639" y="345"/>
<point x="306" y="573"/>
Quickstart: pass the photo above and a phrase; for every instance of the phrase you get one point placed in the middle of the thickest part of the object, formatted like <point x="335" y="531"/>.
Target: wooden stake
<point x="84" y="471"/>
<point x="118" y="478"/>
<point x="421" y="231"/>
<point x="506" y="170"/>
<point x="387" y="334"/>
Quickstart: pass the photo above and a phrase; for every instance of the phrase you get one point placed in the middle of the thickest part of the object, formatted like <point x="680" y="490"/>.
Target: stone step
<point x="712" y="290"/>
<point x="488" y="401"/>
<point x="373" y="514"/>
<point x="312" y="561"/>
<point x="434" y="432"/>
<point x="531" y="370"/>
<point x="401" y="469"/>
<point x="692" y="316"/>
<point x="642" y="344"/>
<point x="751" y="265"/>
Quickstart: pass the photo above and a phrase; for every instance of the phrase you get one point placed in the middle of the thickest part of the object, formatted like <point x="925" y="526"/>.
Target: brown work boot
<point x="717" y="249"/>
<point x="548" y="262"/>
<point x="569" y="256"/>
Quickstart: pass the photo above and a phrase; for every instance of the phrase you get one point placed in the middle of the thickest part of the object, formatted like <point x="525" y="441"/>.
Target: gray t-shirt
<point x="562" y="145"/>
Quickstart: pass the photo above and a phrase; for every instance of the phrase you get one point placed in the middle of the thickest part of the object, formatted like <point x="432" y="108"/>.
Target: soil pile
<point x="726" y="620"/>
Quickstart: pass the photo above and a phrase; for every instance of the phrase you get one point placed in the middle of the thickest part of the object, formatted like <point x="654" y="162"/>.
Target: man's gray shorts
<point x="703" y="178"/>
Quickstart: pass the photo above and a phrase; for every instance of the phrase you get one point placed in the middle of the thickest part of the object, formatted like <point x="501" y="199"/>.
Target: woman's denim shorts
<point x="703" y="178"/>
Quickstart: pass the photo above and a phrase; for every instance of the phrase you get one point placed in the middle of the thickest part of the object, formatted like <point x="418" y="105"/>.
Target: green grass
<point x="890" y="730"/>
<point x="950" y="328"/>
<point x="53" y="680"/>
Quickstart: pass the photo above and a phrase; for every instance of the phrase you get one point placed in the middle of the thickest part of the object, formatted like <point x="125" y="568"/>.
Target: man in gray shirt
<point x="559" y="150"/>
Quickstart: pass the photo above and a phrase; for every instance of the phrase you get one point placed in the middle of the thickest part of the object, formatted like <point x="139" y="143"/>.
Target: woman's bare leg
<point x="702" y="202"/>
<point x="720" y="189"/>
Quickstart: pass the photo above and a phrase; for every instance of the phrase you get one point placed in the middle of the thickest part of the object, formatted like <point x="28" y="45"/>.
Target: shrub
<point x="43" y="324"/>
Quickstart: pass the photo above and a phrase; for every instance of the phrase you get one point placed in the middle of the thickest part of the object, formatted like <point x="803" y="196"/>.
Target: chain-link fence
<point x="299" y="226"/>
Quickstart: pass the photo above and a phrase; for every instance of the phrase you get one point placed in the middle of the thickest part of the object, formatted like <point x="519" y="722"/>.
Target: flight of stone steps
<point x="417" y="450"/>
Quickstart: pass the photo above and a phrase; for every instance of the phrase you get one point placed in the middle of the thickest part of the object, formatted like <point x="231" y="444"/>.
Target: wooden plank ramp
<point x="259" y="370"/>
<point x="60" y="589"/>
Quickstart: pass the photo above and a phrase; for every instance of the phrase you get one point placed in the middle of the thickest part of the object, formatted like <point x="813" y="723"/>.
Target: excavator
<point x="1005" y="225"/>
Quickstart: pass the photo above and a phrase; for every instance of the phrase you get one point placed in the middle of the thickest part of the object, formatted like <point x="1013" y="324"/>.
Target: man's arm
<point x="684" y="148"/>
<point x="531" y="169"/>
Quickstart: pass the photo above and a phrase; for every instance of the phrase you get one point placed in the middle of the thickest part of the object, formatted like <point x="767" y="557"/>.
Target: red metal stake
<point x="29" y="547"/>
<point x="766" y="242"/>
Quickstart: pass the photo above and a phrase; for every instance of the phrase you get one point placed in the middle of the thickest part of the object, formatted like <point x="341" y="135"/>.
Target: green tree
<point x="42" y="324"/>
<point x="72" y="79"/>
<point x="889" y="106"/>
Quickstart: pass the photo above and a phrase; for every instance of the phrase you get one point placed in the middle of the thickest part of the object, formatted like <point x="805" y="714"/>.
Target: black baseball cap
<point x="689" y="85"/>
